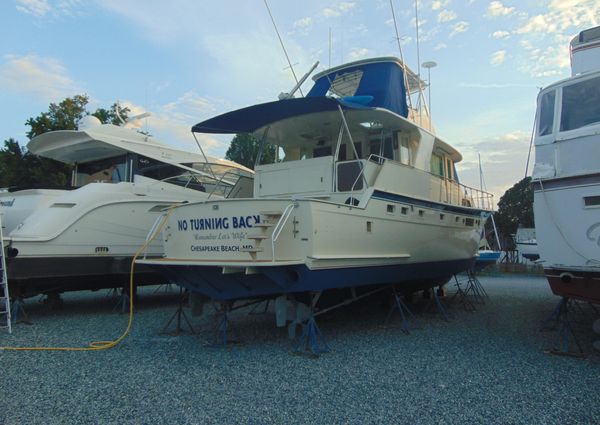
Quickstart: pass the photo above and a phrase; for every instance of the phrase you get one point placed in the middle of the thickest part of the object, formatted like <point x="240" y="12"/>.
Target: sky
<point x="185" y="61"/>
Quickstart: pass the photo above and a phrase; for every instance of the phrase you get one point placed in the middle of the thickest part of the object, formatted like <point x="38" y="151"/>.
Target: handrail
<point x="218" y="184"/>
<point x="157" y="223"/>
<point x="380" y="160"/>
<point x="280" y="224"/>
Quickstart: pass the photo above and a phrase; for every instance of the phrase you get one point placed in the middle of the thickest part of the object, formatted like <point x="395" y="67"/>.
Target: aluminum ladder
<point x="5" y="319"/>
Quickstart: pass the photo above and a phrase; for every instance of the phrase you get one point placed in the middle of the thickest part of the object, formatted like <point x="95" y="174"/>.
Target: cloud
<point x="493" y="86"/>
<point x="171" y="122"/>
<point x="498" y="57"/>
<point x="359" y="53"/>
<point x="339" y="9"/>
<point x="45" y="79"/>
<point x="33" y="7"/>
<point x="440" y="46"/>
<point x="446" y="16"/>
<point x="346" y="6"/>
<point x="500" y="34"/>
<point x="496" y="8"/>
<point x="330" y="13"/>
<point x="498" y="162"/>
<point x="459" y="27"/>
<point x="303" y="23"/>
<point x="547" y="62"/>
<point x="544" y="37"/>
<point x="438" y="4"/>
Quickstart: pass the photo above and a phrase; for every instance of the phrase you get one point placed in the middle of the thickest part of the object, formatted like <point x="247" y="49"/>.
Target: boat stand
<point x="18" y="313"/>
<point x="404" y="311"/>
<point x="223" y="334"/>
<point x="168" y="287"/>
<point x="435" y="300"/>
<point x="53" y="300"/>
<point x="253" y="312"/>
<point x="311" y="341"/>
<point x="475" y="288"/>
<point x="559" y="321"/>
<point x="179" y="314"/>
<point x="122" y="302"/>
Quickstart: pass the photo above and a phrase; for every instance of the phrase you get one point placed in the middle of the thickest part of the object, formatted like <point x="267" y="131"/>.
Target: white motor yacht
<point x="85" y="236"/>
<point x="361" y="193"/>
<point x="566" y="177"/>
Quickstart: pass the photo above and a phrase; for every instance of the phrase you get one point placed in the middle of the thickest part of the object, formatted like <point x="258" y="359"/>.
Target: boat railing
<point x="287" y="212"/>
<point x="450" y="191"/>
<point x="361" y="176"/>
<point x="224" y="184"/>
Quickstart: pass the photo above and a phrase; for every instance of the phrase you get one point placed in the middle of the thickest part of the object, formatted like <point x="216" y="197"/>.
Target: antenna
<point x="282" y="46"/>
<point x="298" y="84"/>
<point x="530" y="143"/>
<point x="329" y="47"/>
<point x="401" y="57"/>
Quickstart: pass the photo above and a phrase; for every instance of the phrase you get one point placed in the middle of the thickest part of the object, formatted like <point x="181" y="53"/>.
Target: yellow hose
<point x="104" y="345"/>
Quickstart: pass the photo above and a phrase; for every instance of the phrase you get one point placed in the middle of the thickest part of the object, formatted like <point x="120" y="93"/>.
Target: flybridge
<point x="585" y="48"/>
<point x="366" y="84"/>
<point x="378" y="83"/>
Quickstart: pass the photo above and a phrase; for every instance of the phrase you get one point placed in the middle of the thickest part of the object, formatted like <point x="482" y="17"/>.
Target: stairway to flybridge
<point x="5" y="320"/>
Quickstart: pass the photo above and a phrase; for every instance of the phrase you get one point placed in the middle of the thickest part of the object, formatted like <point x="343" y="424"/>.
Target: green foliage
<point x="515" y="207"/>
<point x="110" y="115"/>
<point x="244" y="149"/>
<point x="20" y="168"/>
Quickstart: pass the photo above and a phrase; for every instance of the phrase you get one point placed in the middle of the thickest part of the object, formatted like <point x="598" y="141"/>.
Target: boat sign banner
<point x="217" y="223"/>
<point x="218" y="234"/>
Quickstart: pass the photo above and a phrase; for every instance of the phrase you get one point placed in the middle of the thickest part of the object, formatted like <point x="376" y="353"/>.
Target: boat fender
<point x="566" y="277"/>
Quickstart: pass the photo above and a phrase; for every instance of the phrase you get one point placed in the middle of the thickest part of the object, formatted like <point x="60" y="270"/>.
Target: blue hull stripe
<point x="385" y="196"/>
<point x="210" y="281"/>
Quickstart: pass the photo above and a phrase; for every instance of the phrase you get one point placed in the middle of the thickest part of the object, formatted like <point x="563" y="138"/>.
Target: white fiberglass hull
<point x="321" y="245"/>
<point x="87" y="237"/>
<point x="567" y="218"/>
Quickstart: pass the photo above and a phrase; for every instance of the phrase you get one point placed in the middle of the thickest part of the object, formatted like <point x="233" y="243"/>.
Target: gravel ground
<point x="486" y="366"/>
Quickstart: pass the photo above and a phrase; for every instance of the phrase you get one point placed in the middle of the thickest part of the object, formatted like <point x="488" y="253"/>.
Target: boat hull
<point x="28" y="277"/>
<point x="568" y="237"/>
<point x="211" y="282"/>
<point x="320" y="245"/>
<point x="579" y="285"/>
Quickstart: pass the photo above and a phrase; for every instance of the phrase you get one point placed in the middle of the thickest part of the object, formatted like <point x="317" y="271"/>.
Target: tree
<point x="515" y="208"/>
<point x="20" y="168"/>
<point x="243" y="149"/>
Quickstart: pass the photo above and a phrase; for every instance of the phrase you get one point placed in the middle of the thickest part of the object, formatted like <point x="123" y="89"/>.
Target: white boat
<point x="359" y="195"/>
<point x="566" y="177"/>
<point x="526" y="243"/>
<point x="85" y="236"/>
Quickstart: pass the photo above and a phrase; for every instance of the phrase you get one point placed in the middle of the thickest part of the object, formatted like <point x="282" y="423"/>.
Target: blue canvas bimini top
<point x="365" y="84"/>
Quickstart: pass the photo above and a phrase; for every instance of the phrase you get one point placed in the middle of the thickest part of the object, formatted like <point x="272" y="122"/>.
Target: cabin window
<point x="405" y="157"/>
<point x="591" y="201"/>
<point x="345" y="84"/>
<point x="109" y="170"/>
<point x="348" y="156"/>
<point x="385" y="149"/>
<point x="322" y="151"/>
<point x="449" y="169"/>
<point x="169" y="173"/>
<point x="437" y="165"/>
<point x="546" y="118"/>
<point x="580" y="104"/>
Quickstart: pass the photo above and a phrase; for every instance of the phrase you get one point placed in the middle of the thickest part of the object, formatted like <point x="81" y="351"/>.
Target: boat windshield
<point x="580" y="104"/>
<point x="107" y="170"/>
